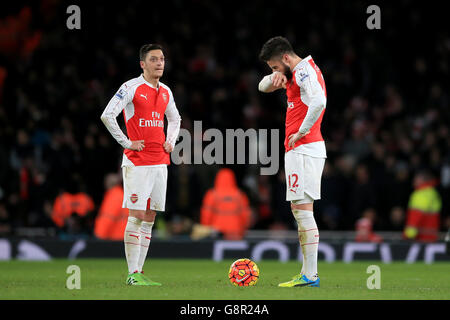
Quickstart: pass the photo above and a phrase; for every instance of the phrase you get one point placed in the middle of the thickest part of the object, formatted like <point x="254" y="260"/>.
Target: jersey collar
<point x="148" y="83"/>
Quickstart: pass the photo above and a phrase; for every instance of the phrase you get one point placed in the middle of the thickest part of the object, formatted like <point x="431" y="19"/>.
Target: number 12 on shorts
<point x="293" y="182"/>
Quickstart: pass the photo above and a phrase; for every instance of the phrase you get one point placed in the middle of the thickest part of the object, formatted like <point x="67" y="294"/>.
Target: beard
<point x="287" y="72"/>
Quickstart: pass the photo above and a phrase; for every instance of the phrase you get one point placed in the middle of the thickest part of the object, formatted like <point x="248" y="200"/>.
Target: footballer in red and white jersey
<point x="144" y="107"/>
<point x="144" y="101"/>
<point x="306" y="92"/>
<point x="304" y="145"/>
<point x="305" y="106"/>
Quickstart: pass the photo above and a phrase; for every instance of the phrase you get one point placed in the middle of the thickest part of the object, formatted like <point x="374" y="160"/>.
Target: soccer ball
<point x="243" y="273"/>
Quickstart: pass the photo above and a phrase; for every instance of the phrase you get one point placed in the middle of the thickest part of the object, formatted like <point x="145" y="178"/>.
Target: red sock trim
<point x="309" y="243"/>
<point x="307" y="230"/>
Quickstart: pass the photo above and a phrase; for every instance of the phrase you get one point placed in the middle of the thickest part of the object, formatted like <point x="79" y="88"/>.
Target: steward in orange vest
<point x="68" y="204"/>
<point x="112" y="218"/>
<point x="225" y="207"/>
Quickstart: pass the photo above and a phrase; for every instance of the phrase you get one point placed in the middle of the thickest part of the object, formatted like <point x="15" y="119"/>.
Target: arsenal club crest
<point x="134" y="197"/>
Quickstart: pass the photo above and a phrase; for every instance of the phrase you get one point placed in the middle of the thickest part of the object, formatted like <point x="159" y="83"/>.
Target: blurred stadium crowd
<point x="387" y="114"/>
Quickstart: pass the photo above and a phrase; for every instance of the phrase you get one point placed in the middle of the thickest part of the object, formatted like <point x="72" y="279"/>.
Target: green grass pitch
<point x="208" y="280"/>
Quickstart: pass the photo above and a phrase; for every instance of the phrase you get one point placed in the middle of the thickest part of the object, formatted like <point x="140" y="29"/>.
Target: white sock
<point x="309" y="241"/>
<point x="132" y="245"/>
<point x="146" y="235"/>
<point x="301" y="239"/>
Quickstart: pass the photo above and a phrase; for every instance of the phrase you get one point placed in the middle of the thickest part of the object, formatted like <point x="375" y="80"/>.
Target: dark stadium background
<point x="387" y="113"/>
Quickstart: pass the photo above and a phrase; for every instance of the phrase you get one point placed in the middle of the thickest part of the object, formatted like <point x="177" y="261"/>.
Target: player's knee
<point x="299" y="205"/>
<point x="139" y="214"/>
<point x="150" y="215"/>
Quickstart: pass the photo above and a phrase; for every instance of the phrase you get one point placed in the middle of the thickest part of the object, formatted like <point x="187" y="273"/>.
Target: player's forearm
<point x="315" y="108"/>
<point x="173" y="129"/>
<point x="173" y="123"/>
<point x="110" y="122"/>
<point x="265" y="85"/>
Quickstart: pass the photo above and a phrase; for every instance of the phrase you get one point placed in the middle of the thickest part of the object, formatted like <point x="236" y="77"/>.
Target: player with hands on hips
<point x="144" y="101"/>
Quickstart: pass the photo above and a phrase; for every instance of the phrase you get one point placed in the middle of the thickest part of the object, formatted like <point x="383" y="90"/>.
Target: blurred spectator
<point x="111" y="218"/>
<point x="226" y="208"/>
<point x="264" y="217"/>
<point x="16" y="35"/>
<point x="73" y="209"/>
<point x="329" y="209"/>
<point x="423" y="216"/>
<point x="397" y="218"/>
<point x="184" y="192"/>
<point x="362" y="195"/>
<point x="364" y="228"/>
<point x="5" y="223"/>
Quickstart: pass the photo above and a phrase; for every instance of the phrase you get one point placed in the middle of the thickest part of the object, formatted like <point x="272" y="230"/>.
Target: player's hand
<point x="137" y="145"/>
<point x="279" y="80"/>
<point x="167" y="147"/>
<point x="293" y="138"/>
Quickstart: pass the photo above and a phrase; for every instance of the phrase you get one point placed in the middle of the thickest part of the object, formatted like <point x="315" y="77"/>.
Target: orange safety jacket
<point x="66" y="204"/>
<point x="112" y="218"/>
<point x="225" y="207"/>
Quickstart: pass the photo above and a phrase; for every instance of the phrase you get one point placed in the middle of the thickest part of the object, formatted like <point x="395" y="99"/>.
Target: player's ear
<point x="142" y="63"/>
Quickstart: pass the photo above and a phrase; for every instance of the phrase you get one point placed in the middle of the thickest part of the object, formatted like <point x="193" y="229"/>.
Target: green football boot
<point x="300" y="280"/>
<point x="135" y="279"/>
<point x="148" y="281"/>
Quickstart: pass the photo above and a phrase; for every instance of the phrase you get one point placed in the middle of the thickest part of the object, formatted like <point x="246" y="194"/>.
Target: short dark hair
<point x="426" y="173"/>
<point x="275" y="47"/>
<point x="148" y="47"/>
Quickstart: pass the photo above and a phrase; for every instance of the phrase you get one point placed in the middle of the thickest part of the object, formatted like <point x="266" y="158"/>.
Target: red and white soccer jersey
<point x="145" y="171"/>
<point x="144" y="107"/>
<point x="306" y="102"/>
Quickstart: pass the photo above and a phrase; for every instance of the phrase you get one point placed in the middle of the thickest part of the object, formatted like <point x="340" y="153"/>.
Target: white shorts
<point x="144" y="188"/>
<point x="303" y="177"/>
